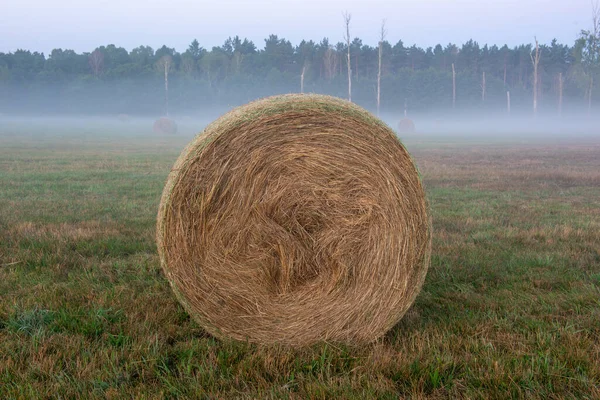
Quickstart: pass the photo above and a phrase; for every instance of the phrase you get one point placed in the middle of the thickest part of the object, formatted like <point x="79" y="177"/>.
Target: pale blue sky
<point x="83" y="25"/>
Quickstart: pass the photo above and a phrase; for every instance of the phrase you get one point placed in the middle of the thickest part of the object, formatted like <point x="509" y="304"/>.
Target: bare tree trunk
<point x="405" y="108"/>
<point x="483" y="88"/>
<point x="347" y="18"/>
<point x="560" y="94"/>
<point x="302" y="79"/>
<point x="535" y="61"/>
<point x="508" y="102"/>
<point x="381" y="39"/>
<point x="164" y="64"/>
<point x="453" y="86"/>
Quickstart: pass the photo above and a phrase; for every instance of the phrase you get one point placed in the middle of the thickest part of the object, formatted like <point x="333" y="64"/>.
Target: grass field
<point x="510" y="307"/>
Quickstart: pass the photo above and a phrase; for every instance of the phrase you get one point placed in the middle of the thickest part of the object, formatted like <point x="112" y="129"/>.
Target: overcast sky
<point x="82" y="25"/>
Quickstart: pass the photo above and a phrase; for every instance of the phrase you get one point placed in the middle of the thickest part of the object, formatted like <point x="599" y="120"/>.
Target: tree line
<point x="112" y="79"/>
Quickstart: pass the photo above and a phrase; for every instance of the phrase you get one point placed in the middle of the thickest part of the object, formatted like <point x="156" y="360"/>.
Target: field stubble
<point x="510" y="307"/>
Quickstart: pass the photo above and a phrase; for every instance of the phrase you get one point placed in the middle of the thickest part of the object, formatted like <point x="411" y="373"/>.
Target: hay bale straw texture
<point x="165" y="126"/>
<point x="295" y="219"/>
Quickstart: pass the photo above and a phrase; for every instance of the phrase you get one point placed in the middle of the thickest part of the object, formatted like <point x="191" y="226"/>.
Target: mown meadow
<point x="510" y="307"/>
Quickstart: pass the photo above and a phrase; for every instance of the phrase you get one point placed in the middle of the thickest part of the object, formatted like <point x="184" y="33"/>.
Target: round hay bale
<point x="295" y="219"/>
<point x="165" y="126"/>
<point x="406" y="125"/>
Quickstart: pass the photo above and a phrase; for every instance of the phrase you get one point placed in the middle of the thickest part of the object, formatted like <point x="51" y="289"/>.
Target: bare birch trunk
<point x="508" y="102"/>
<point x="164" y="64"/>
<point x="381" y="39"/>
<point x="302" y="79"/>
<point x="560" y="94"/>
<point x="347" y="18"/>
<point x="535" y="61"/>
<point x="483" y="88"/>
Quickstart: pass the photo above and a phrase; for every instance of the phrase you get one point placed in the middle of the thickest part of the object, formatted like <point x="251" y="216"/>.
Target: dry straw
<point x="295" y="219"/>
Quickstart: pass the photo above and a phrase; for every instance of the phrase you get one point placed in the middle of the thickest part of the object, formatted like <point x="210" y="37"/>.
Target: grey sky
<point x="83" y="25"/>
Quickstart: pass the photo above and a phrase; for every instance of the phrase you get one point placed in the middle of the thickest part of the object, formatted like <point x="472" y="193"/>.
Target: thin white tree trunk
<point x="560" y="94"/>
<point x="347" y="18"/>
<point x="379" y="83"/>
<point x="535" y="91"/>
<point x="302" y="79"/>
<point x="381" y="39"/>
<point x="508" y="102"/>
<point x="535" y="61"/>
<point x="349" y="77"/>
<point x="483" y="88"/>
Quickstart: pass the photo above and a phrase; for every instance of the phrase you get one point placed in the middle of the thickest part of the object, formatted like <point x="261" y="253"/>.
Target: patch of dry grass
<point x="510" y="307"/>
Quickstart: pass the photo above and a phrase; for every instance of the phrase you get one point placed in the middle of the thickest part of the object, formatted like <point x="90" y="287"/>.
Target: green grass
<point x="510" y="307"/>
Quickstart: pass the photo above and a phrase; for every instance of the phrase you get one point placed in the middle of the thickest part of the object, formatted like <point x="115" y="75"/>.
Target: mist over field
<point x="467" y="88"/>
<point x="473" y="125"/>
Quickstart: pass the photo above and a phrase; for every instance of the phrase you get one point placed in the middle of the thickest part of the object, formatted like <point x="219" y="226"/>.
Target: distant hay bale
<point x="295" y="219"/>
<point x="124" y="118"/>
<point x="165" y="125"/>
<point x="406" y="125"/>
